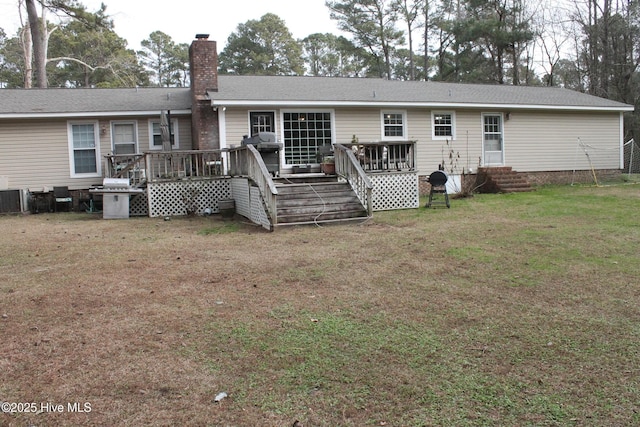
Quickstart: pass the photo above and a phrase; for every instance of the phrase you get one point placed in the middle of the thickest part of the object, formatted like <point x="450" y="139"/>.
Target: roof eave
<point x="391" y="104"/>
<point x="75" y="115"/>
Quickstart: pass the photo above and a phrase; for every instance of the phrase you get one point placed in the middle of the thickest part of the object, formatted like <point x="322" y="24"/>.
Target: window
<point x="262" y="121"/>
<point x="393" y="125"/>
<point x="304" y="132"/>
<point x="155" y="134"/>
<point x="84" y="152"/>
<point x="124" y="138"/>
<point x="443" y="125"/>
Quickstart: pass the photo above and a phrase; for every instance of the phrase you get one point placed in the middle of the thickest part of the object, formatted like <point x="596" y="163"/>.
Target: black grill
<point x="438" y="181"/>
<point x="269" y="149"/>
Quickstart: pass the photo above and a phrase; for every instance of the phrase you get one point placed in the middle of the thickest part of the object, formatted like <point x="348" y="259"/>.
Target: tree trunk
<point x="516" y="64"/>
<point x="592" y="67"/>
<point x="387" y="59"/>
<point x="27" y="52"/>
<point x="607" y="66"/>
<point x="412" y="69"/>
<point x="426" y="40"/>
<point x="38" y="41"/>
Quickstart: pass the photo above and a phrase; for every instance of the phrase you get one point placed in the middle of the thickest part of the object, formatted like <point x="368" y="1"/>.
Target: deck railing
<point x="385" y="156"/>
<point x="184" y="164"/>
<point x="247" y="161"/>
<point x="348" y="167"/>
<point x="129" y="166"/>
<point x="156" y="166"/>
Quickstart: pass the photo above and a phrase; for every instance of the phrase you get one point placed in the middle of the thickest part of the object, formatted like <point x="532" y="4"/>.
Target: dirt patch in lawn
<point x="504" y="310"/>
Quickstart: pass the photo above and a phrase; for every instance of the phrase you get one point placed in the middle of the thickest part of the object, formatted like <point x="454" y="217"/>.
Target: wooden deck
<point x="316" y="200"/>
<point x="200" y="179"/>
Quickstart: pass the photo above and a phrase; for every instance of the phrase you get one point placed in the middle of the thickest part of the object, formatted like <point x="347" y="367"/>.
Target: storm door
<point x="492" y="140"/>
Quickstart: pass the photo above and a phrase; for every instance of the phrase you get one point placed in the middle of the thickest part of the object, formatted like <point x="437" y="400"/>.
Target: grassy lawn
<point x="520" y="309"/>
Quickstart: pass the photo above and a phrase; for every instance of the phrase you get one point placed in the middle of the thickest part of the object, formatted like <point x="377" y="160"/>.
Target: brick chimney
<point x="203" y="71"/>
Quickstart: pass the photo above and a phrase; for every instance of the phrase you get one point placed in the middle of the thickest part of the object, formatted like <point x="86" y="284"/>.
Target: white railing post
<point x="348" y="167"/>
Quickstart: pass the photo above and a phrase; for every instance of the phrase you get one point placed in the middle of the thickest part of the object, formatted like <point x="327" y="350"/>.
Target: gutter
<point x="438" y="105"/>
<point x="69" y="115"/>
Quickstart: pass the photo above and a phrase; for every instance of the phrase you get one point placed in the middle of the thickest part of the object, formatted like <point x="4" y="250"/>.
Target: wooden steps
<point x="317" y="202"/>
<point x="501" y="180"/>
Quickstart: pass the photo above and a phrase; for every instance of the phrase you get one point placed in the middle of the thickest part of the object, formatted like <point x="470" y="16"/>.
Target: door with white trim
<point x="492" y="140"/>
<point x="304" y="132"/>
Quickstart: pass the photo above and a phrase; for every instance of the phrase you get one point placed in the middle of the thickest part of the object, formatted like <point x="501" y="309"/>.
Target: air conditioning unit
<point x="10" y="201"/>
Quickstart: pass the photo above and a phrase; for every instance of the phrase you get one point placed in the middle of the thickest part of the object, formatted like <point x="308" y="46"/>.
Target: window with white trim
<point x="262" y="121"/>
<point x="443" y="125"/>
<point x="124" y="138"/>
<point x="393" y="125"/>
<point x="84" y="149"/>
<point x="155" y="135"/>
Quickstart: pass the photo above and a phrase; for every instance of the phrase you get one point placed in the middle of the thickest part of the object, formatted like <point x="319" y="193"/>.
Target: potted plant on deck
<point x="328" y="165"/>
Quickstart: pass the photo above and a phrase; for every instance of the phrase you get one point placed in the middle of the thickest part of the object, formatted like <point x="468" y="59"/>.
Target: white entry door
<point x="492" y="140"/>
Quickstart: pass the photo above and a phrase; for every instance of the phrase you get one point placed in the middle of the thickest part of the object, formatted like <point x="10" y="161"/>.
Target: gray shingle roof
<point x="76" y="101"/>
<point x="291" y="89"/>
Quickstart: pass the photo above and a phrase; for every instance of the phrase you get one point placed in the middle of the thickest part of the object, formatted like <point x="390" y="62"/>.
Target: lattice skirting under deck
<point x="258" y="214"/>
<point x="395" y="191"/>
<point x="139" y="205"/>
<point x="240" y="193"/>
<point x="189" y="196"/>
<point x="249" y="202"/>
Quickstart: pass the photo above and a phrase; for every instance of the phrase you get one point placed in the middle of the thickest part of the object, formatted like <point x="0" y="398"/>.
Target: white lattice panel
<point x="258" y="214"/>
<point x="138" y="205"/>
<point x="240" y="192"/>
<point x="173" y="198"/>
<point x="395" y="191"/>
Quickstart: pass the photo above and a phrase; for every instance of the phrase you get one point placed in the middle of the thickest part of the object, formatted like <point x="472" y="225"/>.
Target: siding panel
<point x="550" y="141"/>
<point x="35" y="153"/>
<point x="237" y="121"/>
<point x="533" y="140"/>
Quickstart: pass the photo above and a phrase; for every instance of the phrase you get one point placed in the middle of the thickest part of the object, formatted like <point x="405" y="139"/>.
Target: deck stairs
<point x="316" y="200"/>
<point x="501" y="180"/>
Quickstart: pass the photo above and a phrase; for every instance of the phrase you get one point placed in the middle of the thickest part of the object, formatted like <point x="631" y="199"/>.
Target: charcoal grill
<point x="269" y="149"/>
<point x="438" y="181"/>
<point x="115" y="197"/>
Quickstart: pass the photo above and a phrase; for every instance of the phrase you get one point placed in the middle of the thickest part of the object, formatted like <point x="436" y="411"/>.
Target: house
<point x="399" y="131"/>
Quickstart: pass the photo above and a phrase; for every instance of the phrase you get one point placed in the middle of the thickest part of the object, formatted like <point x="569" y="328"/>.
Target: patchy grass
<point x="516" y="309"/>
<point x="228" y="227"/>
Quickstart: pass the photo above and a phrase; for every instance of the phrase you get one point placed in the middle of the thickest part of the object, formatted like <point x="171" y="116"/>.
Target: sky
<point x="182" y="19"/>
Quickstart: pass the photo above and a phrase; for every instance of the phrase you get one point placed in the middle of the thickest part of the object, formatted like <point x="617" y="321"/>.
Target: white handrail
<point x="348" y="167"/>
<point x="247" y="161"/>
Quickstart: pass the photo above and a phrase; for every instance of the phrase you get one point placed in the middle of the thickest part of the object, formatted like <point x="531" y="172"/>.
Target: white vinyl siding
<point x="533" y="140"/>
<point x="549" y="141"/>
<point x="363" y="123"/>
<point x="37" y="153"/>
<point x="237" y="125"/>
<point x="183" y="133"/>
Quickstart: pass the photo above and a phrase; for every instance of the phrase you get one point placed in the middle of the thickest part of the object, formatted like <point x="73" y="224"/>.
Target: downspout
<point x="222" y="135"/>
<point x="170" y="128"/>
<point x="621" y="140"/>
